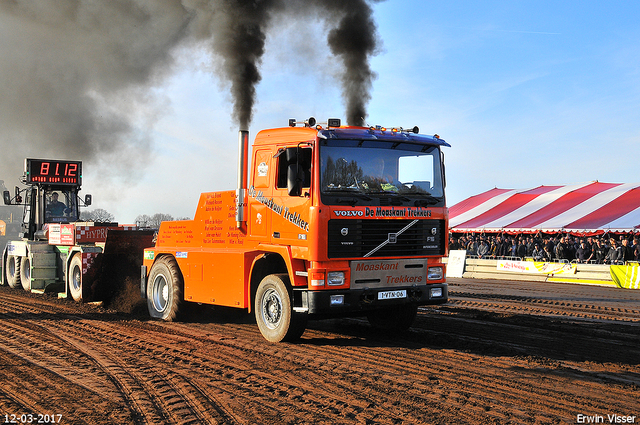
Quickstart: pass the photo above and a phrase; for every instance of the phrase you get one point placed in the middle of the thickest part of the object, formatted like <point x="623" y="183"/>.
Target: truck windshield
<point x="374" y="172"/>
<point x="61" y="206"/>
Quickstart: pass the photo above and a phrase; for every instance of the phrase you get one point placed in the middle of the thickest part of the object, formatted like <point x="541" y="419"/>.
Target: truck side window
<point x="289" y="157"/>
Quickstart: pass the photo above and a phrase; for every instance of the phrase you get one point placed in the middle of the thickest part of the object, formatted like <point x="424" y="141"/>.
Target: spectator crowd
<point x="602" y="249"/>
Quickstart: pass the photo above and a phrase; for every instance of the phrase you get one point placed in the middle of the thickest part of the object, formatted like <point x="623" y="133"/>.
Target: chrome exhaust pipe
<point x="241" y="191"/>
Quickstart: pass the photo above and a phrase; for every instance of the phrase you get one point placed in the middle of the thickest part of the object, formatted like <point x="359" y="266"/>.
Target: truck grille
<point x="385" y="238"/>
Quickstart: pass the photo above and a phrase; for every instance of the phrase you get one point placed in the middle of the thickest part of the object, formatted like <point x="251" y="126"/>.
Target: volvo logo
<point x="349" y="213"/>
<point x="392" y="237"/>
<point x="344" y="231"/>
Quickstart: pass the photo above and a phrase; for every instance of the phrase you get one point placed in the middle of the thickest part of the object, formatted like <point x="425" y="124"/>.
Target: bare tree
<point x="153" y="221"/>
<point x="98" y="215"/>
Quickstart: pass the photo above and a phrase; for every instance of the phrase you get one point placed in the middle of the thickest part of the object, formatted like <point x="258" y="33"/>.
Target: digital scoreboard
<point x="49" y="171"/>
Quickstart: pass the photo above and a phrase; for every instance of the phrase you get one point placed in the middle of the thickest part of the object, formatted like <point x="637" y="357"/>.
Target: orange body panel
<point x="214" y="256"/>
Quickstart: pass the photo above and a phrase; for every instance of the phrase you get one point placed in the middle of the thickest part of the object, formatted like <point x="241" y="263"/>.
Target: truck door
<point x="261" y="190"/>
<point x="290" y="225"/>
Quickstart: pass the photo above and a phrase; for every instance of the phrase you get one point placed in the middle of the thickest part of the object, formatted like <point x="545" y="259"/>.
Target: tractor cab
<point x="51" y="195"/>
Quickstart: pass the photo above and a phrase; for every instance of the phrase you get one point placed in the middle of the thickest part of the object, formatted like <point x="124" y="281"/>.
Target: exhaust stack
<point x="241" y="192"/>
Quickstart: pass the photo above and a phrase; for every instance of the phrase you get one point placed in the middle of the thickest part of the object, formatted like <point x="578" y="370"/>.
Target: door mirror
<point x="87" y="200"/>
<point x="7" y="197"/>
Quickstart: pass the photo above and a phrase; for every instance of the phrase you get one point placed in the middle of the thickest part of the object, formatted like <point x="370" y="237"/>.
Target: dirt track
<point x="499" y="352"/>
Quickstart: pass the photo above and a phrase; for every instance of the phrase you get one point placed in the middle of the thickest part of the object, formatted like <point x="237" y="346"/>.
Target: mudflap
<point x="3" y="279"/>
<point x="119" y="263"/>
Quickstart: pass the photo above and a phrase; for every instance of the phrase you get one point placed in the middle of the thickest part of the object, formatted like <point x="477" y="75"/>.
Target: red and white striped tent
<point x="581" y="209"/>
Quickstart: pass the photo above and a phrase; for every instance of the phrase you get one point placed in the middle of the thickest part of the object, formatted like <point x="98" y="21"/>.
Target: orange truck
<point x="328" y="221"/>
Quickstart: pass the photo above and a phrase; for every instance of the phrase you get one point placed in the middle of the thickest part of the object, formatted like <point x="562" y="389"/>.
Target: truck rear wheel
<point x="164" y="289"/>
<point x="274" y="310"/>
<point x="74" y="278"/>
<point x="13" y="271"/>
<point x="25" y="273"/>
<point x="396" y="318"/>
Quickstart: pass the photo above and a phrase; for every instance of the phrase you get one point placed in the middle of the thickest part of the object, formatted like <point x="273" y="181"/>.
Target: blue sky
<point x="527" y="93"/>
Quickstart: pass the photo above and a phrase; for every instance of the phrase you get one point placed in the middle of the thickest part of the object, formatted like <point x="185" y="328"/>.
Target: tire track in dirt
<point x="476" y="375"/>
<point x="522" y="305"/>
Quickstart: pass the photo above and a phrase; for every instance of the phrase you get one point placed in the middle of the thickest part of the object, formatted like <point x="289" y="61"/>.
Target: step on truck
<point x="327" y="221"/>
<point x="55" y="251"/>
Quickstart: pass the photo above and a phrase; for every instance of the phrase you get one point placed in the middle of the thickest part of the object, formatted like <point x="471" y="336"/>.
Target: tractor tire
<point x="25" y="273"/>
<point x="396" y="318"/>
<point x="74" y="278"/>
<point x="165" y="289"/>
<point x="274" y="310"/>
<point x="13" y="271"/>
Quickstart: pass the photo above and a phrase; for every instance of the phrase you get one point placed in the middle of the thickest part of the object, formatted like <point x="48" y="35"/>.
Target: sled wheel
<point x="396" y="318"/>
<point x="74" y="278"/>
<point x="274" y="311"/>
<point x="164" y="290"/>
<point x="13" y="271"/>
<point x="25" y="273"/>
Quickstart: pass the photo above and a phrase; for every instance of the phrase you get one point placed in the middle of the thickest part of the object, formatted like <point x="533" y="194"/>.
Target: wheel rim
<point x="271" y="308"/>
<point x="12" y="266"/>
<point x="27" y="271"/>
<point x="160" y="293"/>
<point x="76" y="279"/>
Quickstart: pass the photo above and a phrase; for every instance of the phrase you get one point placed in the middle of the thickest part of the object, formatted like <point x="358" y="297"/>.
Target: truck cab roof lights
<point x="394" y="130"/>
<point x="311" y="123"/>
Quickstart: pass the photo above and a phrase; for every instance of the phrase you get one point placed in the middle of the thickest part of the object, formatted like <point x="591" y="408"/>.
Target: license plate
<point x="388" y="295"/>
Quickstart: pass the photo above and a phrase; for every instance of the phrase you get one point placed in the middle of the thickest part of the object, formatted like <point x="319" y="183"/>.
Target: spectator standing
<point x="561" y="250"/>
<point x="549" y="246"/>
<point x="493" y="249"/>
<point x="599" y="251"/>
<point x="537" y="253"/>
<point x="583" y="254"/>
<point x="627" y="250"/>
<point x="613" y="253"/>
<point x="472" y="247"/>
<point x="547" y="254"/>
<point x="571" y="248"/>
<point x="521" y="249"/>
<point x="530" y="246"/>
<point x="502" y="247"/>
<point x="483" y="249"/>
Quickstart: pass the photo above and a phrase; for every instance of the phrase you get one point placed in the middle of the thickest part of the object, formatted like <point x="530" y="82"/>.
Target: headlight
<point x="434" y="273"/>
<point x="336" y="300"/>
<point x="335" y="278"/>
<point x="436" y="292"/>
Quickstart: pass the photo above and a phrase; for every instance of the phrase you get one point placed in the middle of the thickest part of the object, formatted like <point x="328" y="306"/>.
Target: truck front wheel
<point x="13" y="271"/>
<point x="396" y="318"/>
<point x="164" y="290"/>
<point x="274" y="311"/>
<point x="74" y="278"/>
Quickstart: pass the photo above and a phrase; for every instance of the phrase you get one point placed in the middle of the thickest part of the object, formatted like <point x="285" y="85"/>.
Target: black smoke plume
<point x="237" y="34"/>
<point x="76" y="75"/>
<point x="354" y="40"/>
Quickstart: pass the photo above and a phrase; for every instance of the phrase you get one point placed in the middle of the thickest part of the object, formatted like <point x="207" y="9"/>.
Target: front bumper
<point x="363" y="300"/>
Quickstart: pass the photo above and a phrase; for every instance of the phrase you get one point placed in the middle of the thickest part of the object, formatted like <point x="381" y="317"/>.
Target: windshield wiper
<point x="352" y="198"/>
<point x="425" y="202"/>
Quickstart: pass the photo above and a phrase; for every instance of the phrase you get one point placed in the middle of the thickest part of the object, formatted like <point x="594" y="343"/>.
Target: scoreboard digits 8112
<point x="53" y="171"/>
